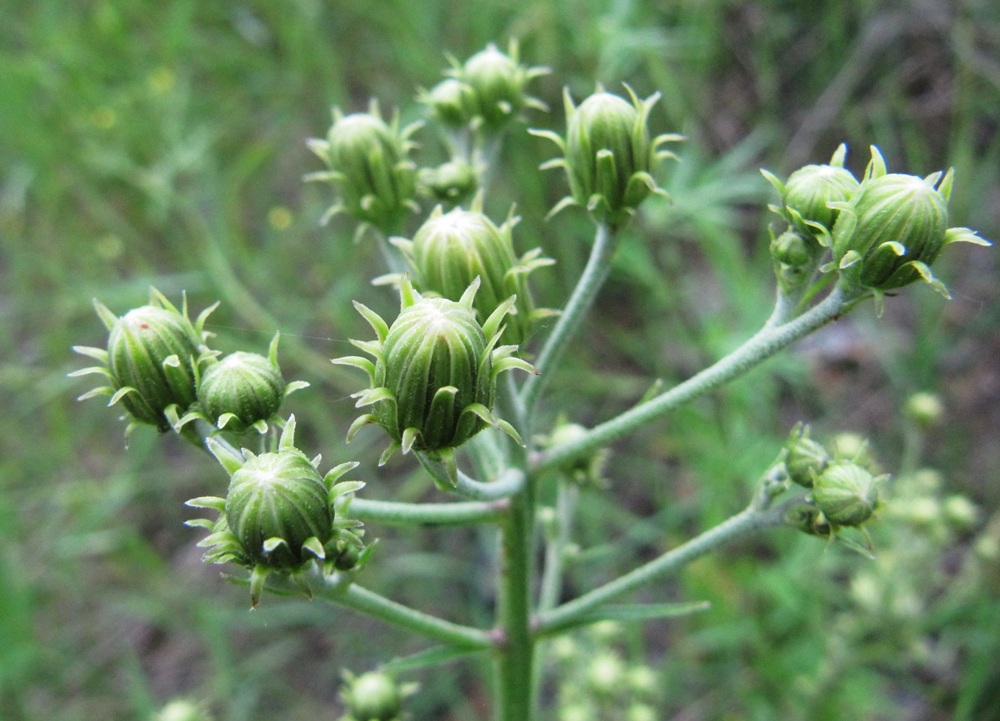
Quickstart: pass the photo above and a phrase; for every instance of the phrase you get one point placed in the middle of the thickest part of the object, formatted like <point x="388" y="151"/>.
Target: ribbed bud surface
<point x="247" y="385"/>
<point x="846" y="493"/>
<point x="902" y="210"/>
<point x="278" y="495"/>
<point x="433" y="344"/>
<point x="810" y="188"/>
<point x="138" y="345"/>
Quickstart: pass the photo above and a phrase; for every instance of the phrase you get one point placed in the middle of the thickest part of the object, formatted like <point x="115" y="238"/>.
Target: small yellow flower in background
<point x="279" y="217"/>
<point x="161" y="80"/>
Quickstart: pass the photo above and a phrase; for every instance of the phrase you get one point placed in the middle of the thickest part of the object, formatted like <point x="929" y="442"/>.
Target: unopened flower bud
<point x="451" y="250"/>
<point x="846" y="493"/>
<point x="243" y="390"/>
<point x="373" y="696"/>
<point x="609" y="155"/>
<point x="451" y="101"/>
<point x="804" y="458"/>
<point x="279" y="513"/>
<point x="796" y="257"/>
<point x="924" y="409"/>
<point x="893" y="229"/>
<point x="452" y="183"/>
<point x="806" y="195"/>
<point x="433" y="381"/>
<point x="368" y="163"/>
<point x="150" y="359"/>
<point x="183" y="710"/>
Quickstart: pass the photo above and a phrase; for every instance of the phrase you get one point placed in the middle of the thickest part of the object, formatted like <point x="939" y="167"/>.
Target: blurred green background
<point x="163" y="143"/>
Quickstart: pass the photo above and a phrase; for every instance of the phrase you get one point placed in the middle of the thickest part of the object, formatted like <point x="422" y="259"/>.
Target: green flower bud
<point x="609" y="156"/>
<point x="451" y="101"/>
<point x="846" y="493"/>
<point x="368" y="163"/>
<point x="151" y="359"/>
<point x="183" y="710"/>
<point x="433" y="381"/>
<point x="453" y="182"/>
<point x="451" y="250"/>
<point x="804" y="457"/>
<point x="497" y="82"/>
<point x="924" y="409"/>
<point x="893" y="229"/>
<point x="796" y="257"/>
<point x="372" y="696"/>
<point x="806" y="195"/>
<point x="279" y="514"/>
<point x="243" y="390"/>
<point x="586" y="470"/>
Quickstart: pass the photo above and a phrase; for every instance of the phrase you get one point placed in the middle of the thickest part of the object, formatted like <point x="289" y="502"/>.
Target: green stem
<point x="767" y="342"/>
<point x="335" y="590"/>
<point x="594" y="274"/>
<point x="744" y="524"/>
<point x="505" y="485"/>
<point x="428" y="514"/>
<point x="515" y="657"/>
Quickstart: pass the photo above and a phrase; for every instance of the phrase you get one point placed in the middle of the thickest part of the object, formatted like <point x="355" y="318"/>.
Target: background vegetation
<point x="161" y="143"/>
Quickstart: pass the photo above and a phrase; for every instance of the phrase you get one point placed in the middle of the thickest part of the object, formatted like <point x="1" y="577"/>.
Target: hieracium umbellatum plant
<point x="435" y="382"/>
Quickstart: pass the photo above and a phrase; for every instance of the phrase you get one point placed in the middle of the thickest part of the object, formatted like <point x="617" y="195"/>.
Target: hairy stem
<point x="594" y="274"/>
<point x="428" y="514"/>
<point x="767" y="342"/>
<point x="750" y="521"/>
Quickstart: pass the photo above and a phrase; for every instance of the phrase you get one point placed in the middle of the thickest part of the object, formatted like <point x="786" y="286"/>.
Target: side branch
<point x="766" y="343"/>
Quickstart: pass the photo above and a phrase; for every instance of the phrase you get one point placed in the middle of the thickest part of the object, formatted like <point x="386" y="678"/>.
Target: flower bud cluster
<point x="485" y="92"/>
<point x="608" y="154"/>
<point x="161" y="370"/>
<point x="843" y="482"/>
<point x="279" y="514"/>
<point x="883" y="232"/>
<point x="433" y="379"/>
<point x="597" y="682"/>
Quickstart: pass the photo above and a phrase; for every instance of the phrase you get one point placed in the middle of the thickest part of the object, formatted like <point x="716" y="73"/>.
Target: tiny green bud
<point x="805" y="458"/>
<point x="372" y="696"/>
<point x="453" y="182"/>
<point x="183" y="710"/>
<point x="924" y="409"/>
<point x="846" y="493"/>
<point x="151" y="359"/>
<point x="451" y="250"/>
<point x="451" y="101"/>
<point x="893" y="229"/>
<point x="610" y="157"/>
<point x="368" y="163"/>
<point x="796" y="257"/>
<point x="606" y="674"/>
<point x="241" y="390"/>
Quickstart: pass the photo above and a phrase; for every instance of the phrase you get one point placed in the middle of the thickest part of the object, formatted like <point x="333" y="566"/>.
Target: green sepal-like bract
<point x="151" y="360"/>
<point x="433" y="380"/>
<point x="279" y="514"/>
<point x="451" y="250"/>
